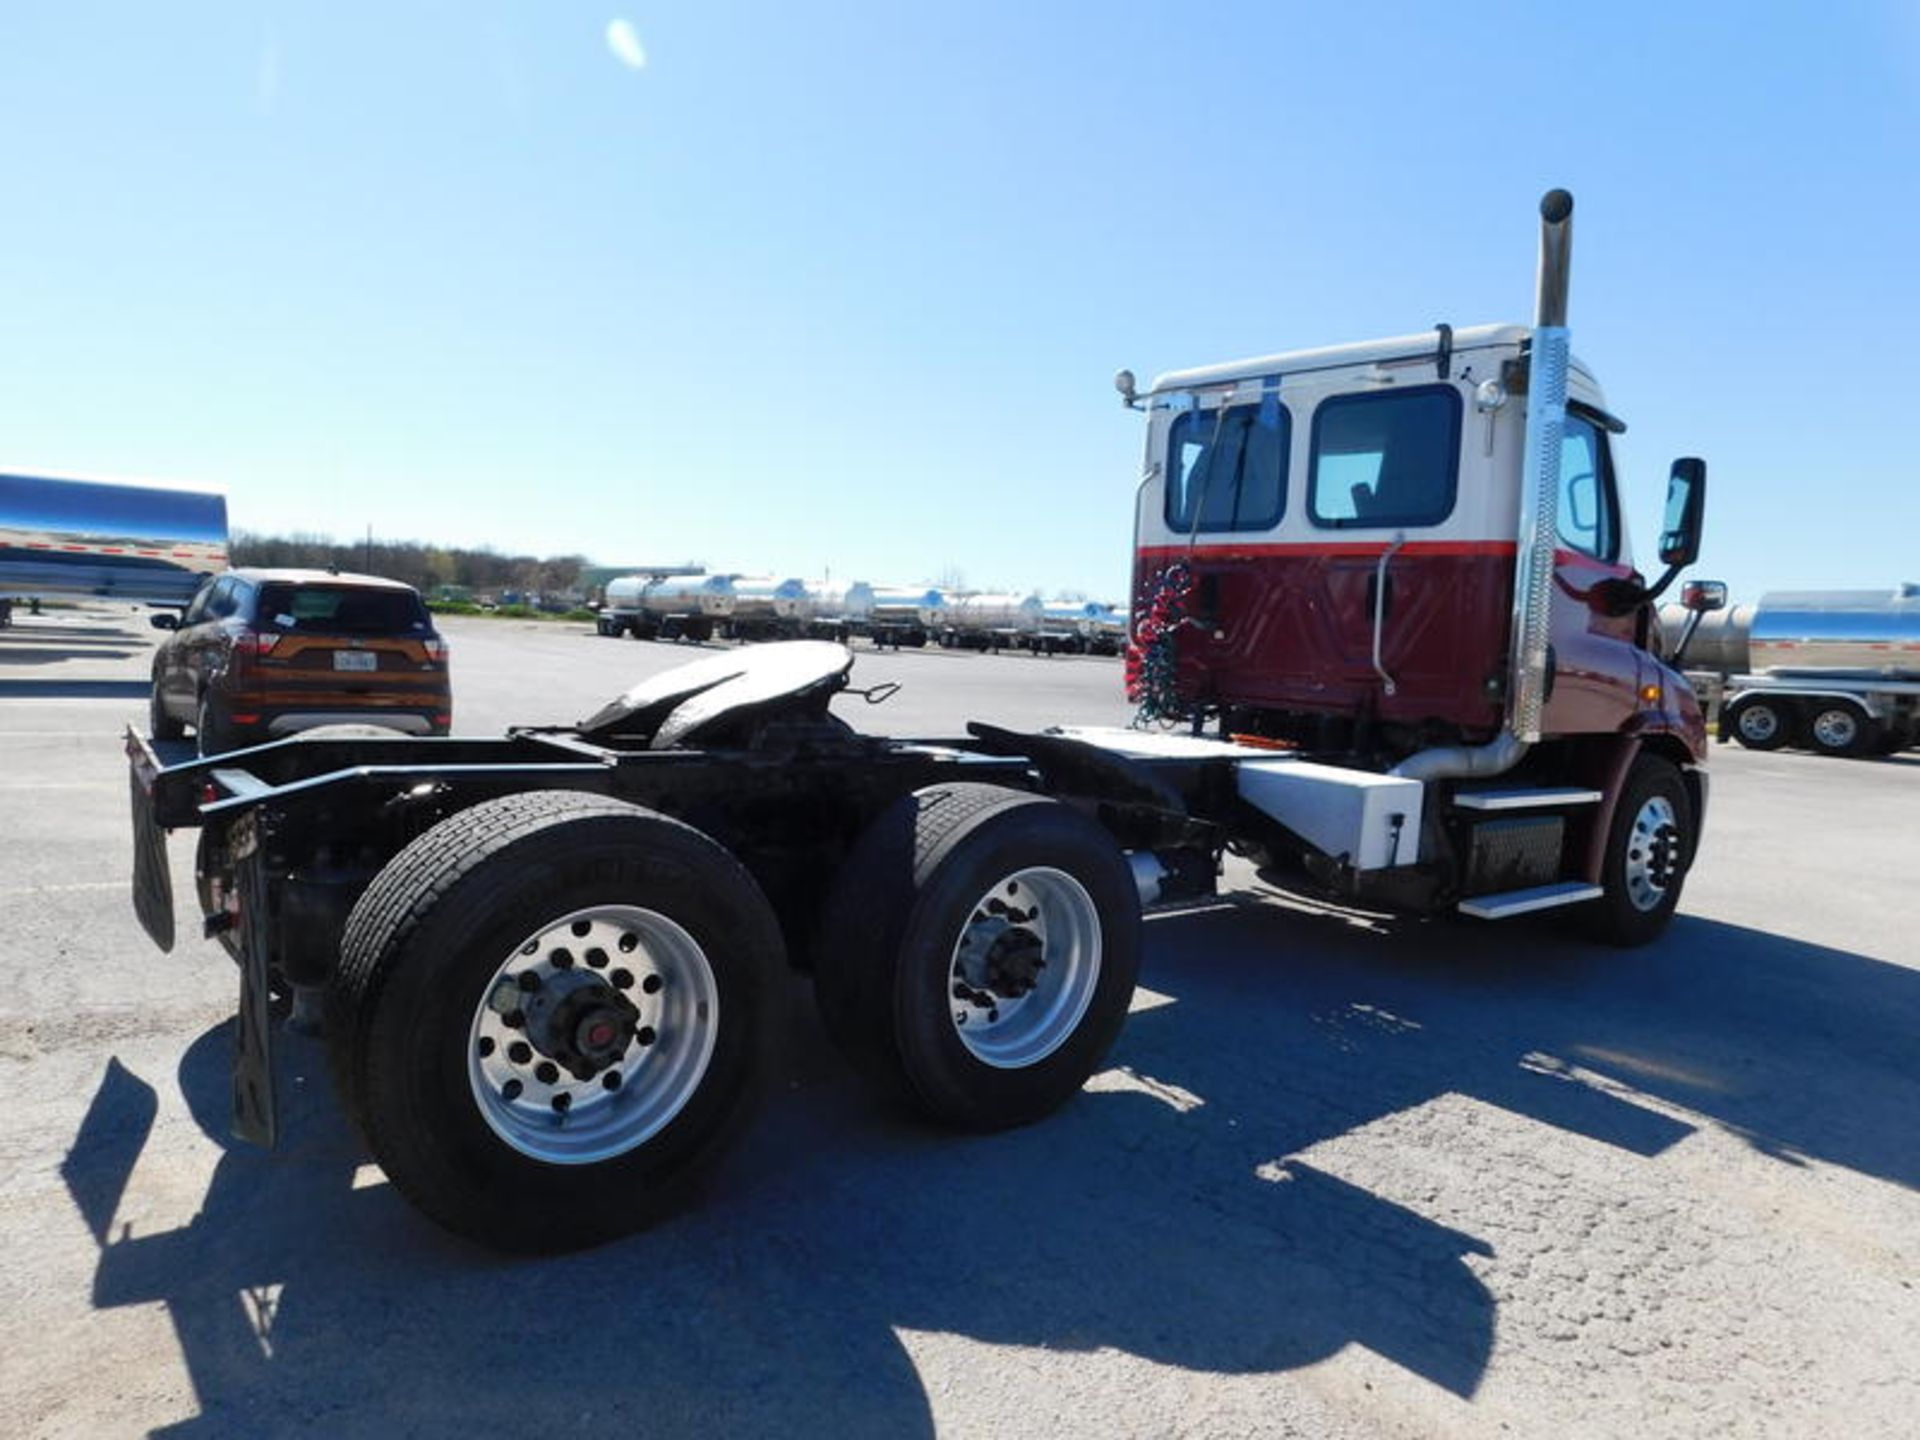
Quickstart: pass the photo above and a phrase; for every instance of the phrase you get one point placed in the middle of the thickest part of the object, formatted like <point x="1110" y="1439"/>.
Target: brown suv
<point x="262" y="653"/>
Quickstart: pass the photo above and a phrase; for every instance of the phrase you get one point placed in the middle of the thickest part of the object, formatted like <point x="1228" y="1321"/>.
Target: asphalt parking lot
<point x="1346" y="1176"/>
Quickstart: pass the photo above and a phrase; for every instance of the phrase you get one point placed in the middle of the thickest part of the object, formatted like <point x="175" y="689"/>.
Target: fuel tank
<point x="138" y="542"/>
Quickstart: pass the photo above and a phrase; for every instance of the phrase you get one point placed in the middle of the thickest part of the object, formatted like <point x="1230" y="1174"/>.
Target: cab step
<point x="1525" y="798"/>
<point x="1525" y="902"/>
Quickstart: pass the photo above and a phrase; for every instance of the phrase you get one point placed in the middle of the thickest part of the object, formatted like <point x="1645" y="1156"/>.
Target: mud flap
<point x="152" y="875"/>
<point x="254" y="1117"/>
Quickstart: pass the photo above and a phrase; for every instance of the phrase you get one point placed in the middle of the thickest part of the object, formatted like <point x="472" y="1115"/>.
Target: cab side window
<point x="1589" y="511"/>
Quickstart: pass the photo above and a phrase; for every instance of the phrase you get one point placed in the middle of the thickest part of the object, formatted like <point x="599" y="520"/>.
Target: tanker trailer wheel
<point x="1760" y="723"/>
<point x="1649" y="848"/>
<point x="552" y="1012"/>
<point x="1839" y="727"/>
<point x="978" y="953"/>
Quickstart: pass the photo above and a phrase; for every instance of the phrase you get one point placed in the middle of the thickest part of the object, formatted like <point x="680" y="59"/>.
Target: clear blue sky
<point x="787" y="286"/>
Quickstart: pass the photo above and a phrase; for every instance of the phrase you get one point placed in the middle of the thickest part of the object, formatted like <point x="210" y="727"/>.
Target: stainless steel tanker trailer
<point x="992" y="622"/>
<point x="549" y="963"/>
<point x="901" y="615"/>
<point x="1836" y="671"/>
<point x="119" y="540"/>
<point x="766" y="607"/>
<point x="667" y="607"/>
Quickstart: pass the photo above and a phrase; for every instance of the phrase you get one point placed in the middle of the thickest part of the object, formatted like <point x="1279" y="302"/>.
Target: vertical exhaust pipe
<point x="1540" y="472"/>
<point x="1539" y="520"/>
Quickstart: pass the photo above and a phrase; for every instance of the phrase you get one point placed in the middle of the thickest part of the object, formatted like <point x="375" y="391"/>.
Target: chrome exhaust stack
<point x="1540" y="472"/>
<point x="1539" y="520"/>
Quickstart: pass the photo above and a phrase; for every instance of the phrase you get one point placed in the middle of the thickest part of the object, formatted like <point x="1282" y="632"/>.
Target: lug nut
<point x="511" y="1089"/>
<point x="520" y="1052"/>
<point x="546" y="1072"/>
<point x="514" y="1020"/>
<point x="651" y="985"/>
<point x="528" y="980"/>
<point x="561" y="959"/>
<point x="597" y="958"/>
<point x="622" y="979"/>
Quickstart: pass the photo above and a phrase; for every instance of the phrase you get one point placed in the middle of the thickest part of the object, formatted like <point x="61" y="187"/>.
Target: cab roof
<point x="1399" y="348"/>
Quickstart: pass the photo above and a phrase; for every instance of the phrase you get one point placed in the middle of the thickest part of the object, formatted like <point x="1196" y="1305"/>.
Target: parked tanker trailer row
<point x="1835" y="671"/>
<point x="698" y="607"/>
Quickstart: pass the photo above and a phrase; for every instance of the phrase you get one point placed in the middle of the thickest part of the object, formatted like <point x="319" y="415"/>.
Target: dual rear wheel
<point x="554" y="1011"/>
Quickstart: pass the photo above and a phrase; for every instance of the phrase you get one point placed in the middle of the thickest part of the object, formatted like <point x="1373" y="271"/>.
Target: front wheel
<point x="1649" y="849"/>
<point x="213" y="733"/>
<point x="160" y="724"/>
<point x="978" y="953"/>
<point x="553" y="1012"/>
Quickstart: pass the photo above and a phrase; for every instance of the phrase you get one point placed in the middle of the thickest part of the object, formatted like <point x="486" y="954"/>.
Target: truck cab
<point x="1348" y="520"/>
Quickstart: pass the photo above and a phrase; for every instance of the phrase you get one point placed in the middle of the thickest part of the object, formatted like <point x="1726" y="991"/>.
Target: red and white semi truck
<point x="1390" y="641"/>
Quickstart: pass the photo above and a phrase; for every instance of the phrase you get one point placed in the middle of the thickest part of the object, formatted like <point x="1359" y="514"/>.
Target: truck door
<point x="1595" y="670"/>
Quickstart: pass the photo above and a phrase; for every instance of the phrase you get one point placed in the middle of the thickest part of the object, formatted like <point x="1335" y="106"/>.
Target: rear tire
<point x="978" y="953"/>
<point x="1839" y="727"/>
<point x="1649" y="850"/>
<point x="674" y="970"/>
<point x="160" y="724"/>
<point x="1760" y="723"/>
<point x="211" y="731"/>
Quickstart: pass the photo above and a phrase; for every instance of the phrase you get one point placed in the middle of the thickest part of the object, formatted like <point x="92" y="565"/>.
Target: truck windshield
<point x="342" y="610"/>
<point x="1228" y="469"/>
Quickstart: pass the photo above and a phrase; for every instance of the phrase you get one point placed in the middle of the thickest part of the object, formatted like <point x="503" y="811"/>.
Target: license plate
<point x="355" y="660"/>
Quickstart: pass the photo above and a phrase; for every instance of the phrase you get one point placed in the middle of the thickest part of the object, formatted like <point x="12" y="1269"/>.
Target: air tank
<point x="904" y="605"/>
<point x="1807" y="632"/>
<point x="709" y="595"/>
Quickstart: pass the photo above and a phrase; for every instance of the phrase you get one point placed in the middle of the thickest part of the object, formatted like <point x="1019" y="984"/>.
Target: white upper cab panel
<point x="1313" y="509"/>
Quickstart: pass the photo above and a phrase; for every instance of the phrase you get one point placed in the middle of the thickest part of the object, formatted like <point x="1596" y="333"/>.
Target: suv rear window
<point x="342" y="610"/>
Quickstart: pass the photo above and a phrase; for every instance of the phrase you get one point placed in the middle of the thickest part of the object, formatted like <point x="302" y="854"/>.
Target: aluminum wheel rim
<point x="660" y="971"/>
<point x="1758" y="722"/>
<point x="1836" y="729"/>
<point x="1653" y="853"/>
<point x="1011" y="1020"/>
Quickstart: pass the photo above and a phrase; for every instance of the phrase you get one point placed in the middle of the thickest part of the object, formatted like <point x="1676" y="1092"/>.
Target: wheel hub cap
<point x="1024" y="968"/>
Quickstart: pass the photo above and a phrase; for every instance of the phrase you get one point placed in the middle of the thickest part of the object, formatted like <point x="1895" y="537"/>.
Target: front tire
<point x="1649" y="849"/>
<point x="553" y="1012"/>
<point x="978" y="953"/>
<point x="160" y="724"/>
<point x="211" y="730"/>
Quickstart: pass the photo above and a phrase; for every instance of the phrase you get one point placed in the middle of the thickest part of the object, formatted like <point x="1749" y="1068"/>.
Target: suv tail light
<point x="253" y="645"/>
<point x="436" y="648"/>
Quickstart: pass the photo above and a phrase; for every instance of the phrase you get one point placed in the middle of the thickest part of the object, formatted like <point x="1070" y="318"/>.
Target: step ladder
<point x="1518" y="800"/>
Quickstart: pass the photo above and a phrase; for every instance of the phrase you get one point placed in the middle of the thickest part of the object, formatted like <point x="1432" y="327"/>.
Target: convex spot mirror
<point x="1704" y="595"/>
<point x="165" y="620"/>
<point x="1686" y="503"/>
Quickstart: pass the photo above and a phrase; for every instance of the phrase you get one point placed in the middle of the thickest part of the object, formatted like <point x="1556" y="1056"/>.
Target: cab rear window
<point x="1389" y="458"/>
<point x="342" y="610"/>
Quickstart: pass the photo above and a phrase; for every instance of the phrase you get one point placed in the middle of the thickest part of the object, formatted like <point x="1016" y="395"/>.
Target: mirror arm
<point x="1667" y="577"/>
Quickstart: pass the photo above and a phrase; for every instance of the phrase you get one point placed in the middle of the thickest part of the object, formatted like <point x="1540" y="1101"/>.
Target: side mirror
<point x="1703" y="596"/>
<point x="165" y="620"/>
<point x="1686" y="504"/>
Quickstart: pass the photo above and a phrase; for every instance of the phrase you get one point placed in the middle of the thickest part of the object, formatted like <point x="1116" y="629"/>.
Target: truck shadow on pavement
<point x="1167" y="1213"/>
